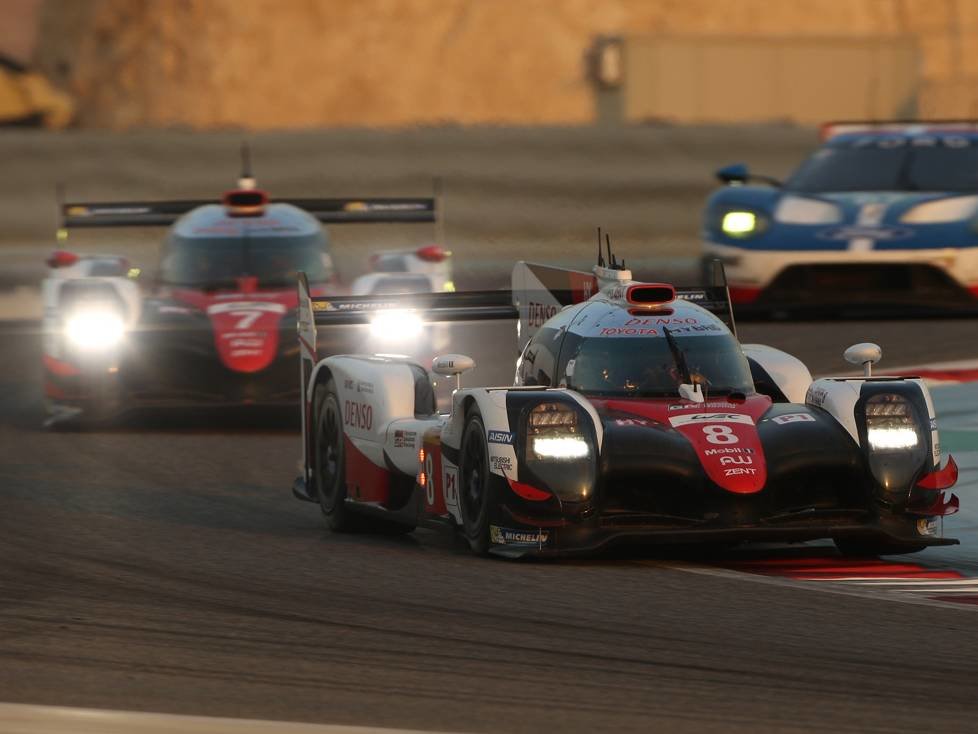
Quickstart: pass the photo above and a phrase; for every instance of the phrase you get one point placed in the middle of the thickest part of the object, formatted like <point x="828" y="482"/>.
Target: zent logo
<point x="358" y="415"/>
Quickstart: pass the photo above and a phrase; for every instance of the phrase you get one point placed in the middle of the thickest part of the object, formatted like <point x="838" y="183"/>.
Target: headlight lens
<point x="739" y="223"/>
<point x="559" y="451"/>
<point x="890" y="423"/>
<point x="802" y="210"/>
<point x="559" y="447"/>
<point x="955" y="209"/>
<point x="95" y="329"/>
<point x="896" y="447"/>
<point x="397" y="325"/>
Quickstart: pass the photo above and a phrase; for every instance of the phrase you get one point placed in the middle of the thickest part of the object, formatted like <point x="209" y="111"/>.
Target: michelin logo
<point x="510" y="536"/>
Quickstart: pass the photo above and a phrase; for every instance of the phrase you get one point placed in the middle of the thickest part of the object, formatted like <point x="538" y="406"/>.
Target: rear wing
<point x="164" y="213"/>
<point x="540" y="291"/>
<point x="829" y="130"/>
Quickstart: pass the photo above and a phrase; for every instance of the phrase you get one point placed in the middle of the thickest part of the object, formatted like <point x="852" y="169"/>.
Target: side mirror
<point x="866" y="354"/>
<point x="736" y="173"/>
<point x="449" y="365"/>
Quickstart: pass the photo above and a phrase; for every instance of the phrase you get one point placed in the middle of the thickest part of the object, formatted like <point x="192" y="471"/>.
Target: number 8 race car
<point x="636" y="416"/>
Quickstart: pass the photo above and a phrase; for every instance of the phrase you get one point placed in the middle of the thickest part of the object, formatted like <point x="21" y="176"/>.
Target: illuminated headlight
<point x="897" y="447"/>
<point x="553" y="433"/>
<point x="892" y="438"/>
<point x="890" y="423"/>
<point x="560" y="447"/>
<point x="95" y="329"/>
<point x="396" y="325"/>
<point x="739" y="223"/>
<point x="560" y="450"/>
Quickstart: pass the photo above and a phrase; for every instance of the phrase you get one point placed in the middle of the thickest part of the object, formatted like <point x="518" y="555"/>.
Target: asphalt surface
<point x="163" y="566"/>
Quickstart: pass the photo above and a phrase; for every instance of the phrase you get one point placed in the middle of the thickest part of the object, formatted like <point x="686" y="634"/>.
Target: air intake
<point x="245" y="203"/>
<point x="650" y="294"/>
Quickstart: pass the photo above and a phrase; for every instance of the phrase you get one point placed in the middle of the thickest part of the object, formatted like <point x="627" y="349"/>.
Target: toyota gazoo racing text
<point x="213" y="327"/>
<point x="881" y="213"/>
<point x="636" y="415"/>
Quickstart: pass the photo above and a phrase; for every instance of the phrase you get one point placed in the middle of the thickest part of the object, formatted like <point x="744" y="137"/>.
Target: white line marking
<point x="888" y="595"/>
<point x="27" y="719"/>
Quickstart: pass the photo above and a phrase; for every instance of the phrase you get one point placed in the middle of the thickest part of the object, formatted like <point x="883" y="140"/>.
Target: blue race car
<point x="882" y="213"/>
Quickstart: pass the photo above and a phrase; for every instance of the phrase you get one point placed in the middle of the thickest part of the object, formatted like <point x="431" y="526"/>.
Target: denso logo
<point x="661" y="321"/>
<point x="538" y="313"/>
<point x="358" y="415"/>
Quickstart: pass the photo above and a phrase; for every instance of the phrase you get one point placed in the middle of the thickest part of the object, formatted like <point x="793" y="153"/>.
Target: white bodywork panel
<point x="788" y="372"/>
<point x="838" y="396"/>
<point x="758" y="268"/>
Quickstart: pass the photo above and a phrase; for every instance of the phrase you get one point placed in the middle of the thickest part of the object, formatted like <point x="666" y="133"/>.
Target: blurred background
<point x="544" y="119"/>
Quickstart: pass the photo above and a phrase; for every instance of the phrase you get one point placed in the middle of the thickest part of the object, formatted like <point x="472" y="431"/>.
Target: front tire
<point x="474" y="483"/>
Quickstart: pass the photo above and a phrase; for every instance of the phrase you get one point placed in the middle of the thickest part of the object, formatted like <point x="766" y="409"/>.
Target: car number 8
<point x="720" y="434"/>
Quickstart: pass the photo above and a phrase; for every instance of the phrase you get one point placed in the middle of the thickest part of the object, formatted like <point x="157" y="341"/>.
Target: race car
<point x="208" y="331"/>
<point x="636" y="416"/>
<point x="881" y="213"/>
<point x="420" y="270"/>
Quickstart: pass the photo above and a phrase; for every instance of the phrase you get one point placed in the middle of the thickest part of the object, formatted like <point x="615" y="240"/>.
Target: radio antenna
<point x="611" y="257"/>
<point x="600" y="256"/>
<point x="247" y="180"/>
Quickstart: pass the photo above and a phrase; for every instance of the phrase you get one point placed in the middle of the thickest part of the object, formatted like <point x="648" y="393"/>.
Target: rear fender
<point x="787" y="374"/>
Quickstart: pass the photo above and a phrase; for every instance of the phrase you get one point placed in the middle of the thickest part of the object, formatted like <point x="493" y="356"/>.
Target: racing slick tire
<point x="858" y="548"/>
<point x="329" y="459"/>
<point x="474" y="482"/>
<point x="329" y="469"/>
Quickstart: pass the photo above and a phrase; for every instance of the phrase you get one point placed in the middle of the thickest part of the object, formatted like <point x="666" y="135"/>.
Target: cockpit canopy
<point x="209" y="249"/>
<point x="604" y="350"/>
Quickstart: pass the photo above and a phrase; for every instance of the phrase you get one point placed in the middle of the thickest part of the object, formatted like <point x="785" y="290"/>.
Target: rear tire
<point x="474" y="482"/>
<point x="329" y="459"/>
<point x="329" y="467"/>
<point x="852" y="548"/>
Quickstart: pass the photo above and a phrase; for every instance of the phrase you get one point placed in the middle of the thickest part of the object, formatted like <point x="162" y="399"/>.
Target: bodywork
<point x="216" y="327"/>
<point x="828" y="238"/>
<point x="787" y="461"/>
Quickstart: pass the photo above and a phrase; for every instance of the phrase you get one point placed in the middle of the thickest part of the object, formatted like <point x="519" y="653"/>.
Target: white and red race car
<point x="636" y="416"/>
<point x="207" y="330"/>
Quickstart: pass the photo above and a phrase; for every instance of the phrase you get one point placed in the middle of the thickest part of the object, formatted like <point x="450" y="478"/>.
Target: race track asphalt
<point x="163" y="566"/>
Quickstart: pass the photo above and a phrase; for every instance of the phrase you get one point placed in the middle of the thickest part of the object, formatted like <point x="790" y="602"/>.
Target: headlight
<point x="741" y="223"/>
<point x="559" y="447"/>
<point x="558" y="450"/>
<point x="802" y="210"/>
<point x="95" y="329"/>
<point x="955" y="209"/>
<point x="396" y="325"/>
<point x="890" y="423"/>
<point x="896" y="446"/>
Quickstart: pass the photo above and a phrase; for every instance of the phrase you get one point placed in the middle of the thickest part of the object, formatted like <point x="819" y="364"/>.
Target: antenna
<point x="611" y="257"/>
<point x="600" y="257"/>
<point x="61" y="234"/>
<point x="247" y="180"/>
<point x="439" y="197"/>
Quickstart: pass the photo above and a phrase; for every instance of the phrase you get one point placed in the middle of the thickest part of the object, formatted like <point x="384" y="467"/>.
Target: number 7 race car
<point x="636" y="416"/>
<point x="207" y="331"/>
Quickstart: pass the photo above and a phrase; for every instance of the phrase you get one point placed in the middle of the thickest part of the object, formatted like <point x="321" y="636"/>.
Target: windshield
<point x="647" y="367"/>
<point x="881" y="163"/>
<point x="217" y="262"/>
